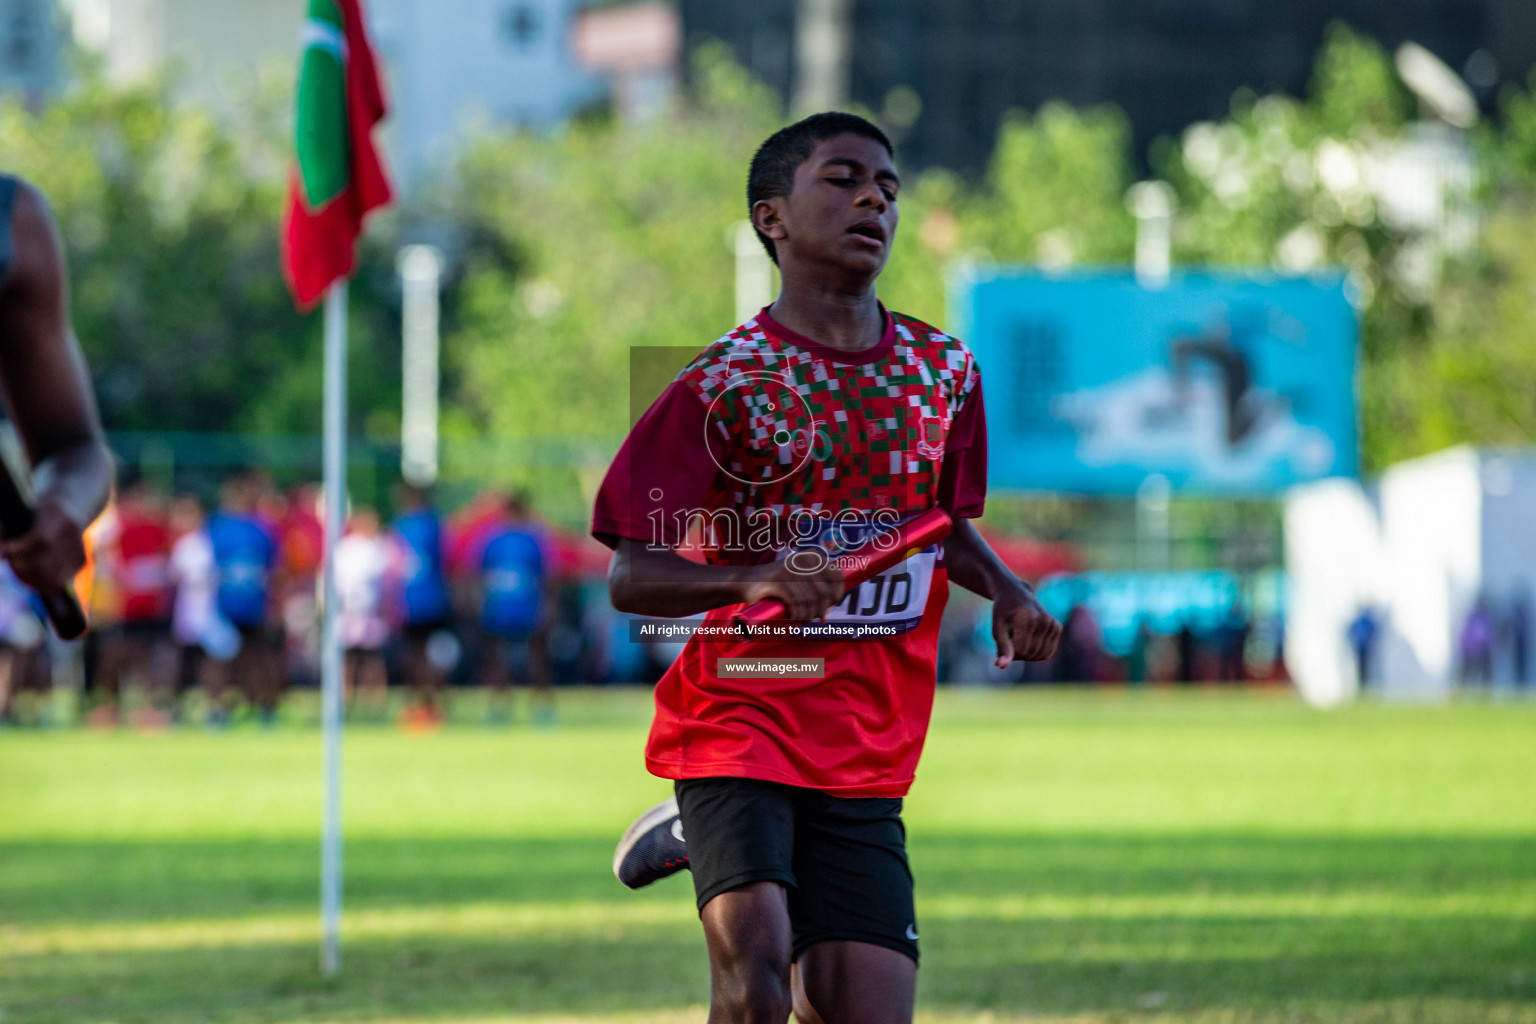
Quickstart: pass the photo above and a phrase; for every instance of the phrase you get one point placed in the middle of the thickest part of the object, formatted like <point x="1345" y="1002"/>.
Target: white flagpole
<point x="330" y="646"/>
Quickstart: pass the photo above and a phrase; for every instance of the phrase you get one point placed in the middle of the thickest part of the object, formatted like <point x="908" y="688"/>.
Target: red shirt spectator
<point x="138" y="559"/>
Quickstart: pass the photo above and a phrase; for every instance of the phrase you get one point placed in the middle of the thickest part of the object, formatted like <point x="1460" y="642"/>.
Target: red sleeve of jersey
<point x="963" y="481"/>
<point x="663" y="470"/>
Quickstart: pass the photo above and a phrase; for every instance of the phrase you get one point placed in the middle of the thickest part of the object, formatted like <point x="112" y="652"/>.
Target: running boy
<point x="821" y="419"/>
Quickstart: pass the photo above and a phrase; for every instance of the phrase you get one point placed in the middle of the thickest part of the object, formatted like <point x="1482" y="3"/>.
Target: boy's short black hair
<point x="776" y="160"/>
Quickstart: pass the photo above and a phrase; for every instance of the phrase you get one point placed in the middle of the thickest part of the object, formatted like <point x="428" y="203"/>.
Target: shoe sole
<point x="643" y="824"/>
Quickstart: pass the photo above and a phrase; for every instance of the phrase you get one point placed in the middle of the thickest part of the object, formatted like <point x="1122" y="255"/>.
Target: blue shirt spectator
<point x="425" y="592"/>
<point x="244" y="553"/>
<point x="513" y="571"/>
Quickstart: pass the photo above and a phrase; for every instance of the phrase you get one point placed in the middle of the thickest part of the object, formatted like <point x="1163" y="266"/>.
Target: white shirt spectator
<point x="364" y="567"/>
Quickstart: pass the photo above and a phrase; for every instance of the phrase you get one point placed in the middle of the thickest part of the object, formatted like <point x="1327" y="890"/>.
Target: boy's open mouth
<point x="869" y="229"/>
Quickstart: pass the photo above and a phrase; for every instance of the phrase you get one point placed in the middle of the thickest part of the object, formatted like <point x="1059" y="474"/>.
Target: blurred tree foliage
<point x="585" y="243"/>
<point x="617" y="238"/>
<point x="1053" y="195"/>
<point x="1297" y="185"/>
<point x="577" y="247"/>
<point x="169" y="218"/>
<point x="1443" y="285"/>
<point x="570" y="247"/>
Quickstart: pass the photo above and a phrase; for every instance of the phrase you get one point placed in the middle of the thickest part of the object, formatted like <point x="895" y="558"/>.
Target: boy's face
<point x="841" y="215"/>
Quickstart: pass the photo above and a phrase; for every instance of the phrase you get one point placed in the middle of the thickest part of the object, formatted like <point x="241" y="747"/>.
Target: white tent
<point x="1437" y="533"/>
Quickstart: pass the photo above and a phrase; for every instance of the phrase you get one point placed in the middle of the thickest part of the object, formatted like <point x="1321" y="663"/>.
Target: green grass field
<point x="1080" y="857"/>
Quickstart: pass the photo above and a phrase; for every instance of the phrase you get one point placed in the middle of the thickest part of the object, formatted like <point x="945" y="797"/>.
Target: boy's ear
<point x="768" y="218"/>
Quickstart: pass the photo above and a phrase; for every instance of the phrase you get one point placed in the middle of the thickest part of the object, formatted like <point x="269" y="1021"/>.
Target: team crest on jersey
<point x="930" y="437"/>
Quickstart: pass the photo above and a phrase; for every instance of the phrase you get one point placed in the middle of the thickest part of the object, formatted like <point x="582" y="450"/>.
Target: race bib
<point x="895" y="599"/>
<point x="892" y="602"/>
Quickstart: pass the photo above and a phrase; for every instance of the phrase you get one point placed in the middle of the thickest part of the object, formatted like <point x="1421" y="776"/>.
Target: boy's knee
<point x="753" y="988"/>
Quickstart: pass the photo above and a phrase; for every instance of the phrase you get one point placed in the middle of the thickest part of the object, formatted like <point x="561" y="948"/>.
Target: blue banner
<point x="1219" y="383"/>
<point x="1123" y="602"/>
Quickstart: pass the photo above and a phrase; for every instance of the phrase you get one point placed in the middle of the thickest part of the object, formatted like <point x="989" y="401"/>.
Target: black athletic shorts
<point x="843" y="860"/>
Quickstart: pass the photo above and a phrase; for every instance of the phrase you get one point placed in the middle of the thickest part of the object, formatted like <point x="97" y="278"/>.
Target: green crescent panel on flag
<point x="321" y="121"/>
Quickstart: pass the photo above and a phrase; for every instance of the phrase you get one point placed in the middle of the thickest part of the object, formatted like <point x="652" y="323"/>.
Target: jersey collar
<point x="876" y="352"/>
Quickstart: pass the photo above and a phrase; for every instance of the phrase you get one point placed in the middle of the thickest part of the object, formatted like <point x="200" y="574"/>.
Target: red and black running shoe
<point x="652" y="847"/>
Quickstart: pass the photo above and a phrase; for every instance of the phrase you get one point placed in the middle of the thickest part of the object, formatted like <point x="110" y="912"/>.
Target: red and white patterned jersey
<point x="770" y="440"/>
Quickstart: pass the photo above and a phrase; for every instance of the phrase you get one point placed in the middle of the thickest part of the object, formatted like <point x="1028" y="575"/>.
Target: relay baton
<point x="17" y="517"/>
<point x="874" y="556"/>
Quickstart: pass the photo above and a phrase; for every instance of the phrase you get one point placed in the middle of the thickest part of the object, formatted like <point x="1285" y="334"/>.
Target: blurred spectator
<point x="470" y="528"/>
<point x="196" y="627"/>
<point x="1517" y="626"/>
<point x="515" y="610"/>
<point x="23" y="665"/>
<point x="365" y="569"/>
<point x="245" y="556"/>
<point x="1081" y="647"/>
<point x="268" y="504"/>
<point x="1277" y="670"/>
<point x="1232" y="644"/>
<point x="135" y="556"/>
<point x="613" y="656"/>
<point x="431" y="649"/>
<point x="301" y="544"/>
<point x="1476" y="643"/>
<point x="1362" y="632"/>
<point x="1184" y="642"/>
<point x="1138" y="659"/>
<point x="99" y="596"/>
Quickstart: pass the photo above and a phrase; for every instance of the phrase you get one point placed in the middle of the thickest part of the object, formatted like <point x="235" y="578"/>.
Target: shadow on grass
<point x="1193" y="950"/>
<point x="126" y="881"/>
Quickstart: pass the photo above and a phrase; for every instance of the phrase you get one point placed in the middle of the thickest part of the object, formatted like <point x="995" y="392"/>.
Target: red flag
<point x="337" y="175"/>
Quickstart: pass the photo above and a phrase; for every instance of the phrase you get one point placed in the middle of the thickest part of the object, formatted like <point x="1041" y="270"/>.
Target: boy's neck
<point x="840" y="320"/>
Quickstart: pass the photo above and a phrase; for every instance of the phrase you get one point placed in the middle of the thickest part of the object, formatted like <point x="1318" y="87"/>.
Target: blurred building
<point x="449" y="67"/>
<point x="454" y="66"/>
<point x="638" y="46"/>
<point x="1166" y="63"/>
<point x="212" y="46"/>
<point x="1440" y="539"/>
<point x="30" y="44"/>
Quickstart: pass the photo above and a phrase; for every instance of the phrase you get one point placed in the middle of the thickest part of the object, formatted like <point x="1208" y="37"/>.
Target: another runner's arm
<point x="48" y="392"/>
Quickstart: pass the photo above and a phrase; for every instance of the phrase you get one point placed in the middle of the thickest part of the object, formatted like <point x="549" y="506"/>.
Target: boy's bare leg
<point x="848" y="982"/>
<point x="748" y="933"/>
<point x="751" y="981"/>
<point x="805" y="1013"/>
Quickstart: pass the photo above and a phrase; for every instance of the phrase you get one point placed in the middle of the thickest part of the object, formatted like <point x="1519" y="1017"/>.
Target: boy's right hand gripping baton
<point x="879" y="553"/>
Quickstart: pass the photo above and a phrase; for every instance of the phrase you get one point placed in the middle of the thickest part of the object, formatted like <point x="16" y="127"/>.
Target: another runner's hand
<point x="807" y="596"/>
<point x="47" y="557"/>
<point x="1022" y="628"/>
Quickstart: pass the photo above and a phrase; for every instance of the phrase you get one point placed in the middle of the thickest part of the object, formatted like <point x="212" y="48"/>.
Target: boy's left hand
<point x="1022" y="628"/>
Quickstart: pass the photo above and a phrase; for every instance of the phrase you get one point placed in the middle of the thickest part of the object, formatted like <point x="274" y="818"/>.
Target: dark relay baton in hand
<point x="17" y="517"/>
<point x="874" y="556"/>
